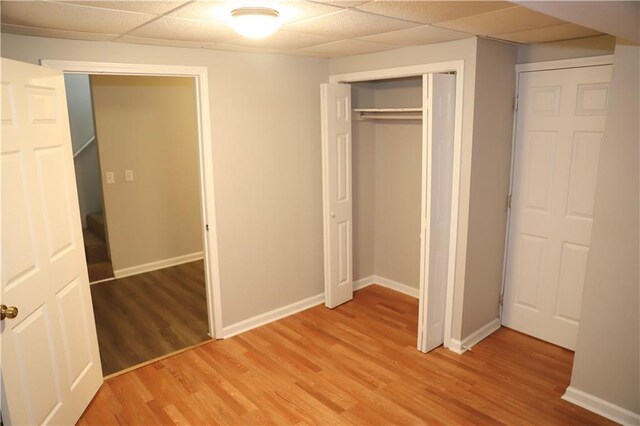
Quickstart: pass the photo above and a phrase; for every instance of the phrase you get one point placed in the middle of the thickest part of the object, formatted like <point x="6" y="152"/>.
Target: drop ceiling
<point x="324" y="28"/>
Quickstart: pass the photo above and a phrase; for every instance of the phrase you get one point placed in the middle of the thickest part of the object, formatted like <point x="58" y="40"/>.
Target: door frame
<point x="207" y="197"/>
<point x="457" y="67"/>
<point x="590" y="61"/>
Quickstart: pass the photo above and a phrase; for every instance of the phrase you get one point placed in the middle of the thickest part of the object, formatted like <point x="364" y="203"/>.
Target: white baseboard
<point x="160" y="264"/>
<point x="455" y="345"/>
<point x="602" y="407"/>
<point x="386" y="282"/>
<point x="274" y="315"/>
<point x="474" y="338"/>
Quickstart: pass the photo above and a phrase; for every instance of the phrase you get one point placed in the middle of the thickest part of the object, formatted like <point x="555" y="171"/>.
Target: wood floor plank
<point x="149" y="315"/>
<point x="355" y="364"/>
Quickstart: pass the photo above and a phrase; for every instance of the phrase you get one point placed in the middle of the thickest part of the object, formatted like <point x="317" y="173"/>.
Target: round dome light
<point x="255" y="22"/>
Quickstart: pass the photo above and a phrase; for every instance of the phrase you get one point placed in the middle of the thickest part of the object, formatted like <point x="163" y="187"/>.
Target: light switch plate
<point x="111" y="177"/>
<point x="128" y="175"/>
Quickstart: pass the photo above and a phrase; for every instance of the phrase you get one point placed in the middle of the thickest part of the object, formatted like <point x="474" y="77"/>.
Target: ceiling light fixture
<point x="255" y="22"/>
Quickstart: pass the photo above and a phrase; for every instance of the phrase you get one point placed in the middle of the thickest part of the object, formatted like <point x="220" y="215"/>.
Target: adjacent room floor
<point x="356" y="364"/>
<point x="149" y="315"/>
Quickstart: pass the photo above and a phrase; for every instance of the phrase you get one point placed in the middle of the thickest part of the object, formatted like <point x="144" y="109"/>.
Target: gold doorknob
<point x="8" y="312"/>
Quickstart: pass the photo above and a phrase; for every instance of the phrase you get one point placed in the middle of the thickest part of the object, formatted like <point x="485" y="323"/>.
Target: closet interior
<point x="386" y="169"/>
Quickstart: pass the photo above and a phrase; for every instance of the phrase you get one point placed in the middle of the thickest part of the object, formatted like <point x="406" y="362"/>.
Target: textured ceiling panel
<point x="45" y="32"/>
<point x="415" y="36"/>
<point x="434" y="11"/>
<point x="69" y="17"/>
<point x="185" y="30"/>
<point x="348" y="47"/>
<point x="349" y="24"/>
<point x="163" y="42"/>
<point x="151" y="7"/>
<point x="327" y="28"/>
<point x="283" y="40"/>
<point x="220" y="11"/>
<point x="501" y="21"/>
<point x="543" y="35"/>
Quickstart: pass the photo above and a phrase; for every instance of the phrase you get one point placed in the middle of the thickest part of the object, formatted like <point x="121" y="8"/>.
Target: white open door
<point x="50" y="363"/>
<point x="439" y="92"/>
<point x="337" y="200"/>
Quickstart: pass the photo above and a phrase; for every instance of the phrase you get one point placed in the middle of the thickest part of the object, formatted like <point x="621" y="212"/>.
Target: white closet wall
<point x="387" y="184"/>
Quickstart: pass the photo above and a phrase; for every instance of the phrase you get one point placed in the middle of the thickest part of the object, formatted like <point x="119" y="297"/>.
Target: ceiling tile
<point x="349" y="24"/>
<point x="428" y="12"/>
<point x="45" y="32"/>
<point x="501" y="21"/>
<point x="220" y="11"/>
<point x="170" y="28"/>
<point x="283" y="40"/>
<point x="162" y="42"/>
<point x="416" y="36"/>
<point x="233" y="48"/>
<point x="348" y="48"/>
<point x="541" y="35"/>
<point x="342" y="3"/>
<point x="150" y="7"/>
<point x="69" y="17"/>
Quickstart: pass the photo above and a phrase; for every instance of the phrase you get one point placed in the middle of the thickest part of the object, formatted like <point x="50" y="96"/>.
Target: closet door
<point x="336" y="191"/>
<point x="438" y="133"/>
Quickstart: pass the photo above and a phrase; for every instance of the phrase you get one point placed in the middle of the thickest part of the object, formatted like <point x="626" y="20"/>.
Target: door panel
<point x="559" y="128"/>
<point x="51" y="367"/>
<point x="436" y="229"/>
<point x="337" y="198"/>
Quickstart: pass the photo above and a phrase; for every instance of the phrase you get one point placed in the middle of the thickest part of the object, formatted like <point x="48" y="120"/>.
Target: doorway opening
<point x="184" y="279"/>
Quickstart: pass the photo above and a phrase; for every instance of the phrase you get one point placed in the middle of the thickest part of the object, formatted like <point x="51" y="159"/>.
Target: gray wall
<point x="265" y="113"/>
<point x="567" y="49"/>
<point x="607" y="360"/>
<point x="490" y="174"/>
<point x="86" y="163"/>
<point x="149" y="125"/>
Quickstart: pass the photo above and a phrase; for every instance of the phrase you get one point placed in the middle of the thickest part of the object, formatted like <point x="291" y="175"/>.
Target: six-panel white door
<point x="337" y="209"/>
<point x="50" y="362"/>
<point x="559" y="130"/>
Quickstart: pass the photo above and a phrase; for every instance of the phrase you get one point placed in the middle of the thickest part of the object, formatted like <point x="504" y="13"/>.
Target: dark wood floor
<point x="356" y="364"/>
<point x="145" y="316"/>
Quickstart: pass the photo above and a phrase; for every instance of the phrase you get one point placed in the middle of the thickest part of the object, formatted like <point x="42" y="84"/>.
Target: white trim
<point x="387" y="283"/>
<point x="84" y="146"/>
<point x="399" y="287"/>
<point x="456" y="346"/>
<point x="456" y="66"/>
<point x="481" y="333"/>
<point x="601" y="406"/>
<point x="397" y="72"/>
<point x="160" y="264"/>
<point x="364" y="282"/>
<point x="102" y="281"/>
<point x="208" y="210"/>
<point x="474" y="338"/>
<point x="591" y="61"/>
<point x="271" y="316"/>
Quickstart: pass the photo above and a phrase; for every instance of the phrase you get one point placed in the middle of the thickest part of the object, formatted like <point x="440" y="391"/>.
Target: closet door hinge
<point x="206" y="227"/>
<point x="515" y="103"/>
<point x="509" y="201"/>
<point x="501" y="299"/>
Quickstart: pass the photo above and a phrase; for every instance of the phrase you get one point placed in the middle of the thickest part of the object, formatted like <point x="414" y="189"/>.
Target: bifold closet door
<point x="438" y="128"/>
<point x="337" y="196"/>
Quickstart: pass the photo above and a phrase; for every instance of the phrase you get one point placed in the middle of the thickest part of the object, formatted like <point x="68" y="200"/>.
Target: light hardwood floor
<point x="145" y="316"/>
<point x="356" y="364"/>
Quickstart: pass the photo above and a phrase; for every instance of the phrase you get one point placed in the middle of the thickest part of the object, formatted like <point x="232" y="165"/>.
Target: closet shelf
<point x="387" y="113"/>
